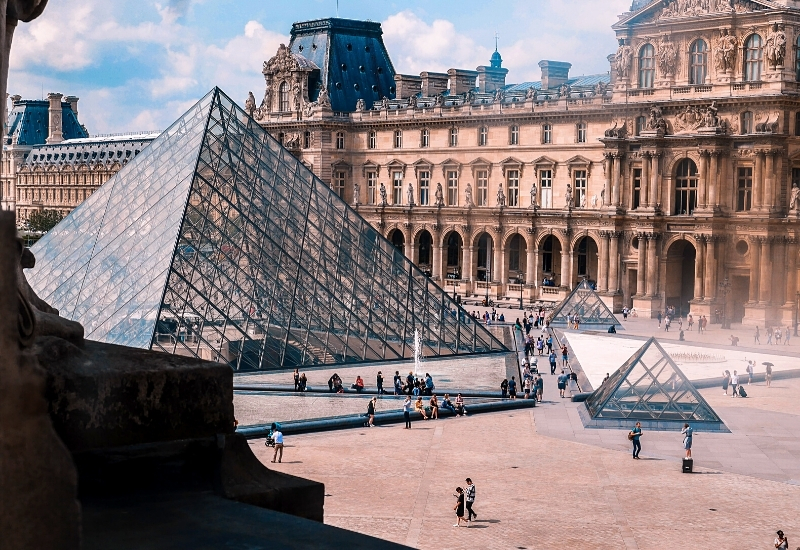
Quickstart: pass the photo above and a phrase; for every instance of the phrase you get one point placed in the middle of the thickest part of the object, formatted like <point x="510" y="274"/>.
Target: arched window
<point x="647" y="66"/>
<point x="698" y="62"/>
<point x="747" y="123"/>
<point x="686" y="188"/>
<point x="797" y="59"/>
<point x="753" y="58"/>
<point x="283" y="97"/>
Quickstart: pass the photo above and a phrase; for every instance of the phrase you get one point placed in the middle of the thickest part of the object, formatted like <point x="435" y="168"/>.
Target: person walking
<point x="296" y="380"/>
<point x="781" y="543"/>
<point x="459" y="507"/>
<point x="470" y="499"/>
<point x="768" y="375"/>
<point x="407" y="406"/>
<point x="371" y="412"/>
<point x="660" y="317"/>
<point x="726" y="380"/>
<point x="512" y="388"/>
<point x="564" y="355"/>
<point x="734" y="383"/>
<point x="277" y="436"/>
<point x="686" y="432"/>
<point x="769" y="336"/>
<point x="788" y="336"/>
<point x="539" y="387"/>
<point x="379" y="380"/>
<point x="757" y="336"/>
<point x="634" y="436"/>
<point x="527" y="388"/>
<point x="504" y="388"/>
<point x="552" y="362"/>
<point x="750" y="368"/>
<point x="562" y="382"/>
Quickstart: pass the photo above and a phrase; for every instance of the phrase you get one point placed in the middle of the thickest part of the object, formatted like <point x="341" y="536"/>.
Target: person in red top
<point x="359" y="385"/>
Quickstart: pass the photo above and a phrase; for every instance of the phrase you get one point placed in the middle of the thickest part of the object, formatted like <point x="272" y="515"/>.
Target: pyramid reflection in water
<point x="218" y="243"/>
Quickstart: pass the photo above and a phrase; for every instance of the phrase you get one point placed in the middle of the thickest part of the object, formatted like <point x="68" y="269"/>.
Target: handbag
<point x="630" y="436"/>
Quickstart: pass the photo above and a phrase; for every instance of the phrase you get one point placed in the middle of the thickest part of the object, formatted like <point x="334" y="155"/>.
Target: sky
<point x="137" y="65"/>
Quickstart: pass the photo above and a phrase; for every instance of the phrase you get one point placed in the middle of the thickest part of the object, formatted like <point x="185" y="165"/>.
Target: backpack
<point x="742" y="393"/>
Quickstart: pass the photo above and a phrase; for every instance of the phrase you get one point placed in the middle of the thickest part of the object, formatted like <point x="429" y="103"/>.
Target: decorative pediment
<point x="371" y="166"/>
<point x="579" y="162"/>
<point x="395" y="165"/>
<point x="661" y="10"/>
<point x="512" y="163"/>
<point x="341" y="165"/>
<point x="480" y="161"/>
<point x="422" y="164"/>
<point x="287" y="62"/>
<point x="544" y="163"/>
<point x="450" y="164"/>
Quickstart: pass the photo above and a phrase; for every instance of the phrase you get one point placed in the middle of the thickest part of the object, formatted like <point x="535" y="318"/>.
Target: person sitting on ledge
<point x="420" y="408"/>
<point x="734" y="340"/>
<point x="359" y="385"/>
<point x="612" y="329"/>
<point x="447" y="404"/>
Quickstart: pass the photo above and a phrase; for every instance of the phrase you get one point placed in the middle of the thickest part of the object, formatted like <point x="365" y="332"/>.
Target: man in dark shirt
<point x="380" y="383"/>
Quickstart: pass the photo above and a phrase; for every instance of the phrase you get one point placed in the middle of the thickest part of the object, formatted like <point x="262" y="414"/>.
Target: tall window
<point x="753" y="58"/>
<point x="547" y="134"/>
<point x="283" y="97"/>
<point x="546" y="187"/>
<point x="647" y="66"/>
<point x="484" y="257"/>
<point x="453" y="137"/>
<point x="514" y="136"/>
<point x="425" y="244"/>
<point x="372" y="186"/>
<point x="797" y="123"/>
<point x="482" y="196"/>
<point x="513" y="187"/>
<point x="397" y="187"/>
<point x="583" y="257"/>
<point x="372" y="140"/>
<point x="306" y="140"/>
<point x="425" y="138"/>
<point x="637" y="188"/>
<point x="581" y="185"/>
<point x="452" y="188"/>
<point x="641" y="124"/>
<point x="581" y="132"/>
<point x="698" y="62"/>
<point x="686" y="188"/>
<point x="483" y="136"/>
<point x="515" y="248"/>
<point x="340" y="140"/>
<point x="547" y="255"/>
<point x="398" y="139"/>
<point x="744" y="189"/>
<point x="338" y="182"/>
<point x="747" y="122"/>
<point x="424" y="187"/>
<point x="797" y="59"/>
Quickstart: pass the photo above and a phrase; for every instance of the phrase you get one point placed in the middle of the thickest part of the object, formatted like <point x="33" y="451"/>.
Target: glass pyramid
<point x="650" y="386"/>
<point x="216" y="242"/>
<point x="584" y="302"/>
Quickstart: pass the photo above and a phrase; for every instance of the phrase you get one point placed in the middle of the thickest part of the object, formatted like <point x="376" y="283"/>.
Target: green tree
<point x="44" y="221"/>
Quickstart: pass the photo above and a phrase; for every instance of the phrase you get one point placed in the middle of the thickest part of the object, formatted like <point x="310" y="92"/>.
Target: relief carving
<point x="775" y="46"/>
<point x="725" y="52"/>
<point x="623" y="59"/>
<point x="667" y="57"/>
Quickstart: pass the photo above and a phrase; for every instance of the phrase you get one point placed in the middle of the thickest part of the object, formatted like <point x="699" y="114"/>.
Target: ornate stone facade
<point x="660" y="184"/>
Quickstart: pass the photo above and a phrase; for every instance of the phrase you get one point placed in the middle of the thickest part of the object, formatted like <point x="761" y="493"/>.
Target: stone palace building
<point x="671" y="180"/>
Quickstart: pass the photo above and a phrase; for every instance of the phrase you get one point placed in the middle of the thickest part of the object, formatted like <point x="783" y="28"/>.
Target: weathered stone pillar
<point x="615" y="195"/>
<point x="652" y="266"/>
<point x="613" y="263"/>
<point x="530" y="261"/>
<point x="602" y="264"/>
<point x="503" y="267"/>
<point x="713" y="181"/>
<point x="437" y="260"/>
<point x="769" y="181"/>
<point x="699" y="262"/>
<point x="535" y="279"/>
<point x="497" y="261"/>
<point x="55" y="115"/>
<point x="765" y="279"/>
<point x="703" y="202"/>
<point x="467" y="272"/>
<point x="710" y="291"/>
<point x="758" y="181"/>
<point x="644" y="192"/>
<point x="791" y="275"/>
<point x="566" y="276"/>
<point x="609" y="166"/>
<point x="655" y="197"/>
<point x="408" y="249"/>
<point x="641" y="275"/>
<point x="755" y="253"/>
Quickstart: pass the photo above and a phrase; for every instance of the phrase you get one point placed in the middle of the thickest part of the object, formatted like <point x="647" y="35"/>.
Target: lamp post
<point x="725" y="288"/>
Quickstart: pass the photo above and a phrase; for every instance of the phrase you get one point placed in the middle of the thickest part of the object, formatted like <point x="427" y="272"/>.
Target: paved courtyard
<point x="546" y="482"/>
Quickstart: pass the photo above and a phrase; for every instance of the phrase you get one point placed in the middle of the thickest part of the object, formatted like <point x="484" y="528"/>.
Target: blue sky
<point x="139" y="64"/>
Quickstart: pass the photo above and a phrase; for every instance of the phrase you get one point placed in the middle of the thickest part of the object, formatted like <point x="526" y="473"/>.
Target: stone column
<point x="713" y="181"/>
<point x="644" y="193"/>
<point x="468" y="273"/>
<point x="535" y="279"/>
<point x="710" y="291"/>
<point x="566" y="262"/>
<point x="613" y="263"/>
<point x="615" y="195"/>
<point x="654" y="191"/>
<point x="503" y="267"/>
<point x="769" y="181"/>
<point x="765" y="279"/>
<point x="408" y="249"/>
<point x="641" y="276"/>
<point x="602" y="264"/>
<point x="497" y="261"/>
<point x="55" y="119"/>
<point x="437" y="260"/>
<point x="530" y="264"/>
<point x="791" y="275"/>
<point x="703" y="202"/>
<point x="609" y="166"/>
<point x="758" y="181"/>
<point x="699" y="262"/>
<point x="755" y="253"/>
<point x="652" y="266"/>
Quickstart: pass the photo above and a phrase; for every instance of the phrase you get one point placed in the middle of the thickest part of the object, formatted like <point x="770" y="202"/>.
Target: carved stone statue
<point x="534" y="195"/>
<point x="361" y="105"/>
<point x="623" y="59"/>
<point x="501" y="197"/>
<point x="594" y="201"/>
<point x="568" y="197"/>
<point x="656" y="121"/>
<point x="382" y="192"/>
<point x="531" y="93"/>
<point x="412" y="102"/>
<point x="711" y="120"/>
<point x="439" y="195"/>
<point x="499" y="95"/>
<point x="410" y="194"/>
<point x="468" y="195"/>
<point x="323" y="100"/>
<point x="601" y="88"/>
<point x="564" y="90"/>
<point x="356" y="194"/>
<point x="775" y="46"/>
<point x="726" y="52"/>
<point x="667" y="57"/>
<point x="439" y="100"/>
<point x="583" y="201"/>
<point x="794" y="201"/>
<point x="250" y="104"/>
<point x="616" y="131"/>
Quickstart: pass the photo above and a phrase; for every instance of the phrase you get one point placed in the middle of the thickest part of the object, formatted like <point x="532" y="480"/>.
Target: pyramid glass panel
<point x="587" y="305"/>
<point x="216" y="242"/>
<point x="650" y="386"/>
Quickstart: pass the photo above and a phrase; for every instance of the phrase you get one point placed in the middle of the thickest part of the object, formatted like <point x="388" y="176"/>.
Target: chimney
<point x="73" y="104"/>
<point x="611" y="61"/>
<point x="554" y="74"/>
<point x="433" y="84"/>
<point x="461" y="80"/>
<point x="55" y="123"/>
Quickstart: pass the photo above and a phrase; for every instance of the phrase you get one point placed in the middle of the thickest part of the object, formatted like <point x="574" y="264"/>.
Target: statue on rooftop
<point x="250" y="104"/>
<point x="361" y="105"/>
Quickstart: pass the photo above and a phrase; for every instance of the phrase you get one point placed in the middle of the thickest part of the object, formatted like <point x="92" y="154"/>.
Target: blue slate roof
<point x="29" y="122"/>
<point x="588" y="81"/>
<point x="352" y="59"/>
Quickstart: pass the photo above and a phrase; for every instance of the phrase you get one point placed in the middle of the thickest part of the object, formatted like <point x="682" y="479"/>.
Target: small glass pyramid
<point x="216" y="242"/>
<point x="587" y="305"/>
<point x="649" y="386"/>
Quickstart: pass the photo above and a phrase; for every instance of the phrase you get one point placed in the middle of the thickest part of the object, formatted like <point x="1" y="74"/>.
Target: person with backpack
<point x="470" y="500"/>
<point x="781" y="543"/>
<point x="504" y="388"/>
<point x="634" y="436"/>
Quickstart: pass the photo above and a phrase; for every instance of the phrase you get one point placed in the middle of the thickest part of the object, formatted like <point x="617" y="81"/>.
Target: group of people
<point x="774" y="335"/>
<point x="412" y="385"/>
<point x="636" y="433"/>
<point x="431" y="411"/>
<point x="465" y="500"/>
<point x="538" y="345"/>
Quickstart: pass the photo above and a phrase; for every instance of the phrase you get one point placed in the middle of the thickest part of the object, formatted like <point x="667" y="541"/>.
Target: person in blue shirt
<point x="635" y="434"/>
<point x="552" y="362"/>
<point x="428" y="384"/>
<point x="687" y="439"/>
<point x="512" y="388"/>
